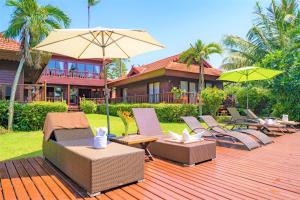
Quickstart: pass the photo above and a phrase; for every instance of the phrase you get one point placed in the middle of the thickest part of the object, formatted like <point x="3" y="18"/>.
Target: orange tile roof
<point x="172" y="63"/>
<point x="169" y="63"/>
<point x="8" y="44"/>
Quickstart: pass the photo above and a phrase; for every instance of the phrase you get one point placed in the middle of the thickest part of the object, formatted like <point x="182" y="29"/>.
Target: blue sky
<point x="175" y="23"/>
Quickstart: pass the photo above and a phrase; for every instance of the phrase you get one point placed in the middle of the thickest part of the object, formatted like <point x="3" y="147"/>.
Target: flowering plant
<point x="126" y="118"/>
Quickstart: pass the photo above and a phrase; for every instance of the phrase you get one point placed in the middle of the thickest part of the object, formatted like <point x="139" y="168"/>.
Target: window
<point x="60" y="65"/>
<point x="7" y="92"/>
<point x="51" y="64"/>
<point x="184" y="86"/>
<point x="192" y="92"/>
<point x="72" y="66"/>
<point x="90" y="70"/>
<point x="80" y="67"/>
<point x="208" y="84"/>
<point x="124" y="94"/>
<point x="97" y="69"/>
<point x="57" y="92"/>
<point x="153" y="91"/>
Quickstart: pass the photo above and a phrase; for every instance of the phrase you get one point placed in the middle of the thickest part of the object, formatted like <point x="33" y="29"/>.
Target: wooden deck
<point x="271" y="172"/>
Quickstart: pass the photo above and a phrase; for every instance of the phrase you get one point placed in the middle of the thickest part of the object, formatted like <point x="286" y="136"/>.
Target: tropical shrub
<point x="285" y="88"/>
<point x="213" y="99"/>
<point x="88" y="106"/>
<point x="165" y="112"/>
<point x="260" y="100"/>
<point x="30" y="116"/>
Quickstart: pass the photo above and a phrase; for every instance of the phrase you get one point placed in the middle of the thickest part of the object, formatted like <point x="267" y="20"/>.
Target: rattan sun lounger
<point x="268" y="127"/>
<point x="187" y="154"/>
<point x="95" y="170"/>
<point x="247" y="140"/>
<point x="221" y="138"/>
<point x="239" y="120"/>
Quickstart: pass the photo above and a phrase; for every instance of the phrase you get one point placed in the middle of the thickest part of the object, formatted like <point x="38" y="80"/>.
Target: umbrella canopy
<point x="250" y="73"/>
<point x="99" y="43"/>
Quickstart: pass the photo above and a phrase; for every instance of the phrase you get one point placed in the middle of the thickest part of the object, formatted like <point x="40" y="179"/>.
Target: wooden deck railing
<point x="71" y="74"/>
<point x="55" y="99"/>
<point x="25" y="92"/>
<point x="187" y="98"/>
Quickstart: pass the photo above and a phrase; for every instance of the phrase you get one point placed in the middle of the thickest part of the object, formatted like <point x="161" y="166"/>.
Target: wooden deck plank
<point x="270" y="172"/>
<point x="233" y="191"/>
<point x="74" y="188"/>
<point x="135" y="193"/>
<point x="59" y="182"/>
<point x="56" y="190"/>
<point x="16" y="181"/>
<point x="8" y="190"/>
<point x="27" y="182"/>
<point x="39" y="183"/>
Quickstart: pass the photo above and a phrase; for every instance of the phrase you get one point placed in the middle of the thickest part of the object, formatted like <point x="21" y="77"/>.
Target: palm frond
<point x="93" y="2"/>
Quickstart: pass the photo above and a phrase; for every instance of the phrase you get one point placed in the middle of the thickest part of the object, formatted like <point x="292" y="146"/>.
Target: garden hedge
<point x="30" y="116"/>
<point x="165" y="112"/>
<point x="88" y="106"/>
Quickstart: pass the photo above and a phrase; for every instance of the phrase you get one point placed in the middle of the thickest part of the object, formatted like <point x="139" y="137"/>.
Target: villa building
<point x="68" y="79"/>
<point x="61" y="79"/>
<point x="153" y="82"/>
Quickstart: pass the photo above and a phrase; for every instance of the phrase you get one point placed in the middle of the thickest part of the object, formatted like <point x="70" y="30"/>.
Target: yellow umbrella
<point x="99" y="43"/>
<point x="250" y="73"/>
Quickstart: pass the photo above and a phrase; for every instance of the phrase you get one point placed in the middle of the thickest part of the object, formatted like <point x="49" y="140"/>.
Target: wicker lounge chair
<point x="187" y="154"/>
<point x="95" y="170"/>
<point x="224" y="138"/>
<point x="244" y="121"/>
<point x="268" y="127"/>
<point x="239" y="121"/>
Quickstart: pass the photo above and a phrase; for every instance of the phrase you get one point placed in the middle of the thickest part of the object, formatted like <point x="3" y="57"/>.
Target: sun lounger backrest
<point x="192" y="123"/>
<point x="251" y="114"/>
<point x="212" y="123"/>
<point x="147" y="121"/>
<point x="73" y="134"/>
<point x="56" y="121"/>
<point x="235" y="113"/>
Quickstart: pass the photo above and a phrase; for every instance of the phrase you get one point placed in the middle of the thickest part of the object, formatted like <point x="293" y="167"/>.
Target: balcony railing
<point x="25" y="93"/>
<point x="71" y="74"/>
<point x="186" y="98"/>
<point x="55" y="99"/>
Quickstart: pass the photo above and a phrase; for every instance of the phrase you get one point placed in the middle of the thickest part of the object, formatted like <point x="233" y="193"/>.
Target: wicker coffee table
<point x="142" y="140"/>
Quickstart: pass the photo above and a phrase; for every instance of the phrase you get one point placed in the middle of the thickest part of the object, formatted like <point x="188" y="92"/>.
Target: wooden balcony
<point x="270" y="172"/>
<point x="70" y="74"/>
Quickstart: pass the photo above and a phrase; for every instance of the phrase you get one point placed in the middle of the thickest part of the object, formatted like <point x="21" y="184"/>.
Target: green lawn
<point x="26" y="144"/>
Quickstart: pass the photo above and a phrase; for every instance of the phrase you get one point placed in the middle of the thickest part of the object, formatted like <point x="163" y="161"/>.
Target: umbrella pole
<point x="247" y="92"/>
<point x="106" y="98"/>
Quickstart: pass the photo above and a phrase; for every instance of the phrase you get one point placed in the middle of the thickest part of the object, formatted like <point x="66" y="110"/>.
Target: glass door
<point x="192" y="92"/>
<point x="156" y="92"/>
<point x="74" y="96"/>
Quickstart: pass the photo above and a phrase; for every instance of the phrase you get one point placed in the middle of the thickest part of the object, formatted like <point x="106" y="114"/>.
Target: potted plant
<point x="126" y="118"/>
<point x="177" y="93"/>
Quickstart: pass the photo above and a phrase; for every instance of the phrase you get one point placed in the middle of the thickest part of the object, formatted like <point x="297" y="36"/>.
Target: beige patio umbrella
<point x="99" y="43"/>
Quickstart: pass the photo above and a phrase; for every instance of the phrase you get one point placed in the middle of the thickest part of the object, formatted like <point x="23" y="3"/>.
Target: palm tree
<point x="30" y="22"/>
<point x="91" y="3"/>
<point x="277" y="28"/>
<point x="196" y="54"/>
